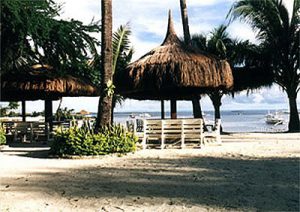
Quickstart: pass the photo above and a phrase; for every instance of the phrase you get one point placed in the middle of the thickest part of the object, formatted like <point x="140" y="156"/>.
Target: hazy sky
<point x="148" y="22"/>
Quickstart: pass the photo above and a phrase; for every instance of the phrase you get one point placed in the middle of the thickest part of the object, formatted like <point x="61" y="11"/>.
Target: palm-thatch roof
<point x="41" y="82"/>
<point x="173" y="71"/>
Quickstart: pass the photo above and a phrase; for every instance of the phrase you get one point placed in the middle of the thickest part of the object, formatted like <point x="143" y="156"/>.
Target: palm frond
<point x="121" y="43"/>
<point x="263" y="16"/>
<point x="200" y="41"/>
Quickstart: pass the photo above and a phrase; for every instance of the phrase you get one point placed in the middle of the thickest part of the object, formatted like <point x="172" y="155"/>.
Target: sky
<point x="148" y="22"/>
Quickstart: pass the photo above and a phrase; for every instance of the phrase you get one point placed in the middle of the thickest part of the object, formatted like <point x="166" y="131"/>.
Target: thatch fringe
<point x="41" y="84"/>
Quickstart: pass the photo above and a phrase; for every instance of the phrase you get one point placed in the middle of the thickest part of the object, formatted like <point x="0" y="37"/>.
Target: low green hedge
<point x="2" y="136"/>
<point x="82" y="141"/>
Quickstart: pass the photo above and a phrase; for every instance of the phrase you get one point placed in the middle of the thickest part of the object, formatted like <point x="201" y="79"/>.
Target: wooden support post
<point x="162" y="109"/>
<point x="173" y="109"/>
<point x="49" y="114"/>
<point x="23" y="111"/>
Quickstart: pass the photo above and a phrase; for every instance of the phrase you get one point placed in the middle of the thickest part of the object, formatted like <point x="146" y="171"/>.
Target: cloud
<point x="242" y="31"/>
<point x="84" y="11"/>
<point x="265" y="98"/>
<point x="150" y="17"/>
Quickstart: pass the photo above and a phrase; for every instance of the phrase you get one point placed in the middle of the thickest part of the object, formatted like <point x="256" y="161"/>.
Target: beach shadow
<point x="268" y="184"/>
<point x="33" y="150"/>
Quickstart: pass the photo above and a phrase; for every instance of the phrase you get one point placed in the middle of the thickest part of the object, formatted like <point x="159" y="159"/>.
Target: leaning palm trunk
<point x="105" y="100"/>
<point x="187" y="40"/>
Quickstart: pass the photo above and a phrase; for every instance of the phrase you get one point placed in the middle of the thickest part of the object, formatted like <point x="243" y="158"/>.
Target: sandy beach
<point x="248" y="172"/>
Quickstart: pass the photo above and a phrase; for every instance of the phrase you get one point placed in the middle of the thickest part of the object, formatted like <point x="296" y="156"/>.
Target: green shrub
<point x="2" y="136"/>
<point x="82" y="141"/>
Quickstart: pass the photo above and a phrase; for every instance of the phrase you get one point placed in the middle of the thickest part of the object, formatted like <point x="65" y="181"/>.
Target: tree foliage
<point x="278" y="34"/>
<point x="122" y="54"/>
<point x="244" y="58"/>
<point x="31" y="33"/>
<point x="122" y="49"/>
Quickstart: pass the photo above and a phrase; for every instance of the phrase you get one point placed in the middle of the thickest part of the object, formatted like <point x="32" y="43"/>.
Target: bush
<point x="2" y="136"/>
<point x="82" y="141"/>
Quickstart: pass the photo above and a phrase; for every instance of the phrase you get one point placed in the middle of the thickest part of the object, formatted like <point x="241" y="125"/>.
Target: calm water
<point x="232" y="121"/>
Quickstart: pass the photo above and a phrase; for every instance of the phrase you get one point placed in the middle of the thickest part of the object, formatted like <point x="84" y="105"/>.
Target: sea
<point x="232" y="121"/>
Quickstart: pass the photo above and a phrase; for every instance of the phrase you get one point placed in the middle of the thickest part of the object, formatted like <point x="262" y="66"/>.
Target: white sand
<point x="248" y="172"/>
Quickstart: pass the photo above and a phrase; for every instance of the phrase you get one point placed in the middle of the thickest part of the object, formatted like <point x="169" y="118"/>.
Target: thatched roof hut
<point x="173" y="71"/>
<point x="41" y="82"/>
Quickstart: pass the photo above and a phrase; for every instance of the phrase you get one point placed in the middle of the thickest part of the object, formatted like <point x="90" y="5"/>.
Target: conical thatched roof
<point x="173" y="71"/>
<point x="43" y="83"/>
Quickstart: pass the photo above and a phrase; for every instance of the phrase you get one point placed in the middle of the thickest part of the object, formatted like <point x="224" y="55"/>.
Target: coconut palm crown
<point x="278" y="33"/>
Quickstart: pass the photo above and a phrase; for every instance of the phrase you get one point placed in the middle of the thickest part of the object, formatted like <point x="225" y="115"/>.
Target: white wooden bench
<point x="173" y="129"/>
<point x="193" y="129"/>
<point x="152" y="131"/>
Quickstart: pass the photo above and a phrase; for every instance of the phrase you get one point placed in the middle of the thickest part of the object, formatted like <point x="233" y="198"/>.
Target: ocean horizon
<point x="232" y="120"/>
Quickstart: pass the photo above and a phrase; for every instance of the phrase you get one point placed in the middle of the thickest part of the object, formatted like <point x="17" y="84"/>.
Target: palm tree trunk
<point x="112" y="115"/>
<point x="216" y="100"/>
<point x="162" y="106"/>
<point x="49" y="114"/>
<point x="197" y="112"/>
<point x="185" y="22"/>
<point x="294" y="124"/>
<point x="187" y="40"/>
<point x="217" y="110"/>
<point x="173" y="109"/>
<point x="23" y="111"/>
<point x="105" y="100"/>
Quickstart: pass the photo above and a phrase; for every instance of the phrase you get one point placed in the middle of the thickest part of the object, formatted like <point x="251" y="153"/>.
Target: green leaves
<point x="110" y="88"/>
<point x="122" y="53"/>
<point x="82" y="141"/>
<point x="278" y="32"/>
<point x="33" y="33"/>
<point x="121" y="46"/>
<point x="2" y="135"/>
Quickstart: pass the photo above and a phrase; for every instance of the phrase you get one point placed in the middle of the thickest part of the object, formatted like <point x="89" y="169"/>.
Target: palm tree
<point x="278" y="32"/>
<point x="122" y="55"/>
<point x="241" y="55"/>
<point x="105" y="100"/>
<point x="197" y="112"/>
